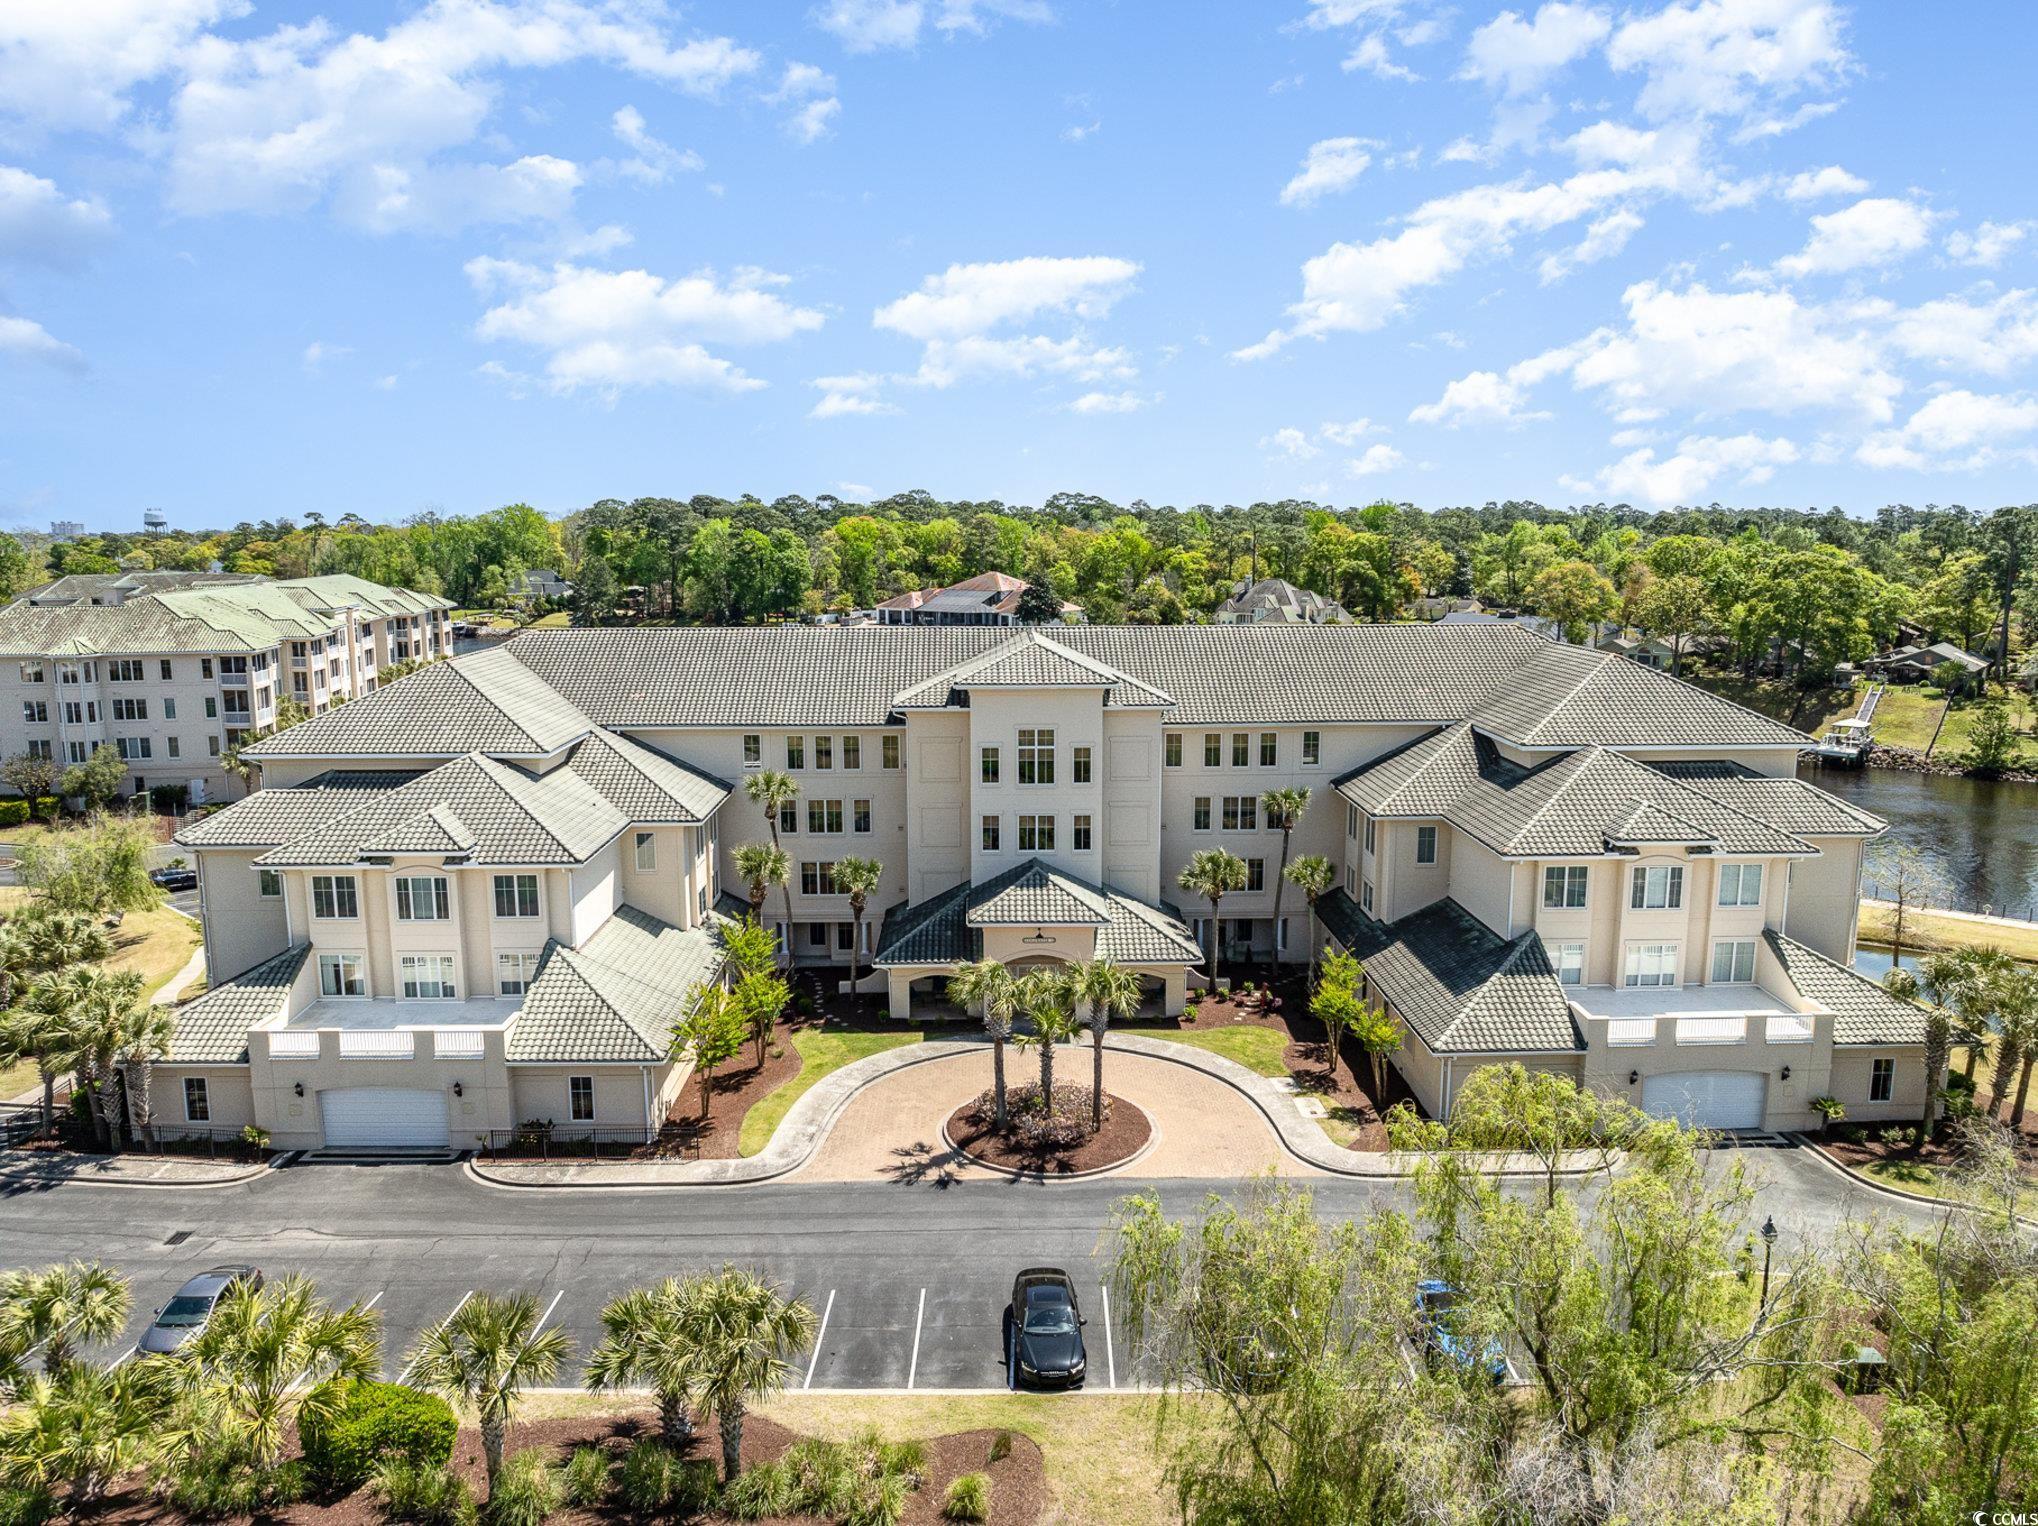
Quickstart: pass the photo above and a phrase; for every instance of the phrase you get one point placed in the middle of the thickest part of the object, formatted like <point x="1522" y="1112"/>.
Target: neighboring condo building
<point x="481" y="896"/>
<point x="175" y="668"/>
<point x="989" y="599"/>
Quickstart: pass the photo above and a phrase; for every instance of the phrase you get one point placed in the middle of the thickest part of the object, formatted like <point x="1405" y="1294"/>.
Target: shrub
<point x="1830" y="1110"/>
<point x="255" y="1137"/>
<point x="904" y="1457"/>
<point x="423" y="1494"/>
<point x="169" y="799"/>
<point x="763" y="1492"/>
<point x="585" y="1477"/>
<point x="654" y="1479"/>
<point x="1001" y="1446"/>
<point x="25" y="1507"/>
<point x="371" y="1422"/>
<point x="1958" y="1084"/>
<point x="968" y="1499"/>
<point x="1898" y="1138"/>
<point x="525" y="1493"/>
<point x="879" y="1501"/>
<point x="13" y="812"/>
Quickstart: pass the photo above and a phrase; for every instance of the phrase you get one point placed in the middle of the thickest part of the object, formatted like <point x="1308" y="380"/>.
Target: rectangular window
<point x="646" y="845"/>
<point x="1036" y="834"/>
<point x="990" y="834"/>
<point x="1740" y="884"/>
<point x="1568" y="960"/>
<point x="1564" y="886"/>
<point x="1241" y="813"/>
<point x="1270" y="749"/>
<point x="35" y="711"/>
<point x="1213" y="750"/>
<point x="1652" y="964"/>
<point x="130" y="709"/>
<point x="1366" y="898"/>
<point x="124" y="670"/>
<point x="888" y="751"/>
<point x="789" y="817"/>
<point x="852" y="752"/>
<point x="333" y="897"/>
<point x="1079" y="765"/>
<point x="428" y="977"/>
<point x="1733" y="961"/>
<point x="133" y="748"/>
<point x="211" y="708"/>
<point x="1202" y="818"/>
<point x="795" y="752"/>
<point x="268" y="883"/>
<point x="1881" y="1079"/>
<point x="169" y="710"/>
<point x="1312" y="748"/>
<point x="1425" y="845"/>
<point x="824" y="752"/>
<point x="843" y="931"/>
<point x="421" y="898"/>
<point x="205" y="667"/>
<point x="753" y="749"/>
<point x="31" y="673"/>
<point x="1036" y="755"/>
<point x="77" y="751"/>
<point x="1241" y="748"/>
<point x="174" y="750"/>
<point x="580" y="1098"/>
<point x="1171" y="749"/>
<point x="817" y="878"/>
<point x="516" y="895"/>
<point x="1351" y="821"/>
<point x="988" y="765"/>
<point x="340" y="975"/>
<point x="514" y="973"/>
<point x="1657" y="887"/>
<point x="197" y="1105"/>
<point x="212" y="746"/>
<point x="1079" y="834"/>
<point x="859" y="815"/>
<point x="1369" y="834"/>
<point x="1256" y="874"/>
<point x="166" y="670"/>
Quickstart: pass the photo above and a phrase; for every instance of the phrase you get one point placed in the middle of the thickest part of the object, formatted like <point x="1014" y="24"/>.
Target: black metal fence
<point x="586" y="1144"/>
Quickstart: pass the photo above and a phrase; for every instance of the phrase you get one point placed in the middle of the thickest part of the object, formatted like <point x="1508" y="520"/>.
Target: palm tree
<point x="485" y="1356"/>
<point x="770" y="789"/>
<point x="59" y="1308"/>
<point x="1949" y="980"/>
<point x="275" y="1353"/>
<point x="31" y="1033"/>
<point x="1215" y="873"/>
<point x="1106" y="990"/>
<point x="145" y="1039"/>
<point x="2017" y="1043"/>
<point x="988" y="988"/>
<point x="644" y="1344"/>
<point x="38" y="939"/>
<point x="857" y="878"/>
<point x="1312" y="874"/>
<point x="1283" y="808"/>
<point x="1048" y="998"/>
<point x="83" y="1428"/>
<point x="742" y="1334"/>
<point x="761" y="865"/>
<point x="99" y="1009"/>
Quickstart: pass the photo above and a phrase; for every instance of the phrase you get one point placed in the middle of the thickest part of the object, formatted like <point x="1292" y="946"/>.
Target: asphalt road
<point x="912" y="1279"/>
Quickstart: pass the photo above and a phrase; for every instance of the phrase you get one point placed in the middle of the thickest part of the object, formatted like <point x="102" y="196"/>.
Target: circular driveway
<point x="891" y="1130"/>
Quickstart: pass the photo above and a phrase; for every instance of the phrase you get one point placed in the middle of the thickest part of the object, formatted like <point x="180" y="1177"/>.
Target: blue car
<point x="1434" y="1302"/>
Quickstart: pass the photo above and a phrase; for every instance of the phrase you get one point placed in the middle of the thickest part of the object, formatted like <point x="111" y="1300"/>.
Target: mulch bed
<point x="1125" y="1133"/>
<point x="1942" y="1153"/>
<point x="1019" y="1494"/>
<point x="738" y="1086"/>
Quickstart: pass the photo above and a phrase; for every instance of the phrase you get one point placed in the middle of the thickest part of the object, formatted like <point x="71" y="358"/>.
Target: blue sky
<point x="260" y="258"/>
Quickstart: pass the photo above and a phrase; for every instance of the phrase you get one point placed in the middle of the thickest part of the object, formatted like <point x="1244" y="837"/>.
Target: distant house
<point x="1915" y="664"/>
<point x="1278" y="601"/>
<point x="116" y="588"/>
<point x="1599" y="637"/>
<point x="990" y="599"/>
<point x="1436" y="606"/>
<point x="543" y="585"/>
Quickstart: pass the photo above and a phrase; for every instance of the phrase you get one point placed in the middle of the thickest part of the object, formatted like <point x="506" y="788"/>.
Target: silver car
<point x="186" y="1313"/>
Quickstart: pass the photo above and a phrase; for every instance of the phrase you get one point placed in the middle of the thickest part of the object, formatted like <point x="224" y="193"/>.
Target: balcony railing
<point x="296" y="1045"/>
<point x="1630" y="1032"/>
<point x="1712" y="1030"/>
<point x="1789" y="1028"/>
<point x="377" y="1044"/>
<point x="458" y="1044"/>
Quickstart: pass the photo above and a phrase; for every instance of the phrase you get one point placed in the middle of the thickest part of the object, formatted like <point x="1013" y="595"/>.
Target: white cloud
<point x="1700" y="461"/>
<point x="1712" y="58"/>
<point x="1987" y="244"/>
<point x="1814" y="185"/>
<point x="1604" y="239"/>
<point x="1377" y="459"/>
<point x="72" y="64"/>
<point x="1349" y="432"/>
<point x="285" y="120"/>
<point x="1493" y="397"/>
<point x="1517" y="56"/>
<point x="609" y="329"/>
<point x="1950" y="423"/>
<point x="944" y="362"/>
<point x="1874" y="231"/>
<point x="843" y="396"/>
<point x="812" y="92"/>
<point x="318" y="352"/>
<point x="970" y="299"/>
<point x="1127" y="401"/>
<point x="1776" y="127"/>
<point x="25" y="339"/>
<point x="39" y="225"/>
<point x="1990" y="335"/>
<point x="1078" y="132"/>
<point x="865" y="26"/>
<point x="386" y="383"/>
<point x="1372" y="56"/>
<point x="654" y="161"/>
<point x="1330" y="166"/>
<point x="1290" y="442"/>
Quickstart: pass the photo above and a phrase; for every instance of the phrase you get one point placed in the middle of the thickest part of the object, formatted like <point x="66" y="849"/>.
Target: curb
<point x="1153" y="1135"/>
<point x="14" y="1177"/>
<point x="1944" y="1204"/>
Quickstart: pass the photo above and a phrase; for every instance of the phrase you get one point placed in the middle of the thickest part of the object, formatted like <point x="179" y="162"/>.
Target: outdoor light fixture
<point x="298" y="1088"/>
<point x="1786" y="1072"/>
<point x="1769" y="1233"/>
<point x="1634" y="1076"/>
<point x="457" y="1090"/>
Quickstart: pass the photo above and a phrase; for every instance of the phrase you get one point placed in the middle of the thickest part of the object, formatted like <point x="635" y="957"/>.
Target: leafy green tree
<point x="987" y="988"/>
<point x="1313" y="875"/>
<point x="94" y="869"/>
<point x="81" y="1429"/>
<point x="857" y="878"/>
<point x="595" y="591"/>
<point x="31" y="775"/>
<point x="100" y="1012"/>
<point x="1676" y="608"/>
<point x="743" y="1334"/>
<point x="98" y="780"/>
<point x="60" y="1308"/>
<point x="761" y="998"/>
<point x="1038" y="604"/>
<point x="1283" y="809"/>
<point x="1992" y="742"/>
<point x="14" y="568"/>
<point x="485" y="1356"/>
<point x="1574" y="593"/>
<point x="1213" y="873"/>
<point x="711" y="1030"/>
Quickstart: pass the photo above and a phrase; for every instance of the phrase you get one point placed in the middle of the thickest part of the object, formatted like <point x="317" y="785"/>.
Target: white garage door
<point x="383" y="1115"/>
<point x="1708" y="1099"/>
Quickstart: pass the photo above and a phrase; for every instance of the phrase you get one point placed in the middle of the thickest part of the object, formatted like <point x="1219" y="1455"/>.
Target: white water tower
<point x="154" y="522"/>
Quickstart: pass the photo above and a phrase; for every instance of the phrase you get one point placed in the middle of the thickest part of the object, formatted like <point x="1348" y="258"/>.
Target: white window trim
<point x="1630" y="956"/>
<point x="1731" y="979"/>
<point x="450" y="976"/>
<point x="644" y="846"/>
<point x="592" y="1109"/>
<point x="360" y="957"/>
<point x="204" y="1086"/>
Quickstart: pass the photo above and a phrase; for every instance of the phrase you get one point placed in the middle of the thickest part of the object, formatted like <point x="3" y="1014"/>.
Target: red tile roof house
<point x="990" y="599"/>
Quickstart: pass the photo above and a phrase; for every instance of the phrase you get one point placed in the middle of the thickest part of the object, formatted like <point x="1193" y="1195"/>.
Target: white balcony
<point x="1630" y="1032"/>
<point x="458" y="1044"/>
<point x="293" y="1045"/>
<point x="371" y="1044"/>
<point x="1712" y="1030"/>
<point x="1788" y="1028"/>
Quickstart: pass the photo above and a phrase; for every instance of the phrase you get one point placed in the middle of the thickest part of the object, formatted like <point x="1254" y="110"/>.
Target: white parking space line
<point x="819" y="1336"/>
<point x="548" y="1311"/>
<point x="913" y="1368"/>
<point x="371" y="1303"/>
<point x="117" y="1361"/>
<point x="439" y="1326"/>
<point x="1110" y="1359"/>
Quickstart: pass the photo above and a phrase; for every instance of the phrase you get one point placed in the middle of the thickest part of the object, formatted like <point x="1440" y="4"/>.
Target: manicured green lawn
<point x="1256" y="1048"/>
<point x="822" y="1051"/>
<point x="1925" y="929"/>
<point x="1930" y="1181"/>
<point x="1961" y="718"/>
<point x="1781" y="700"/>
<point x="1906" y="715"/>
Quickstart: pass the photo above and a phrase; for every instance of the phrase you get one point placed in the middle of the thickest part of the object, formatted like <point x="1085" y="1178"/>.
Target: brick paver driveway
<point x="891" y="1130"/>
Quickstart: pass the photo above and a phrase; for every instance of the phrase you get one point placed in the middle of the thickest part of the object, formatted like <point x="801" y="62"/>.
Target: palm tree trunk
<point x="1313" y="940"/>
<point x="771" y="820"/>
<point x="1097" y="1079"/>
<point x="2023" y="1089"/>
<point x="1973" y="1057"/>
<point x="731" y="1419"/>
<point x="675" y="1427"/>
<point x="1047" y="1073"/>
<point x="491" y="1448"/>
<point x="2008" y="1060"/>
<point x="106" y="1092"/>
<point x="855" y="944"/>
<point x="1216" y="931"/>
<point x="1280" y="890"/>
<point x="140" y="1117"/>
<point x="47" y="1073"/>
<point x="998" y="1079"/>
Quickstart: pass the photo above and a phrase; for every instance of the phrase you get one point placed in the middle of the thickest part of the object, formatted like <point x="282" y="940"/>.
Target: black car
<point x="1045" y="1329"/>
<point x="174" y="879"/>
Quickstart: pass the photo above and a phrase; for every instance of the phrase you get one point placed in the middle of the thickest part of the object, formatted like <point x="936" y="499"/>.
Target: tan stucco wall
<point x="227" y="1089"/>
<point x="242" y="926"/>
<point x="1850" y="1076"/>
<point x="1825" y="898"/>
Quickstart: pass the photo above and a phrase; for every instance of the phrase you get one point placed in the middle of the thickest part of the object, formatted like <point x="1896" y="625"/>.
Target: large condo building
<point x="175" y="668"/>
<point x="480" y="896"/>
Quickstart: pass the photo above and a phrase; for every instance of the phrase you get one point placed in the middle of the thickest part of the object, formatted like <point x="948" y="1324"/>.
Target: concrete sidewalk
<point x="42" y="1170"/>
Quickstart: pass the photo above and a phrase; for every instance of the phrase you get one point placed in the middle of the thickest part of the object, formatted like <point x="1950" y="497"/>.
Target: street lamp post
<point x="1769" y="1233"/>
